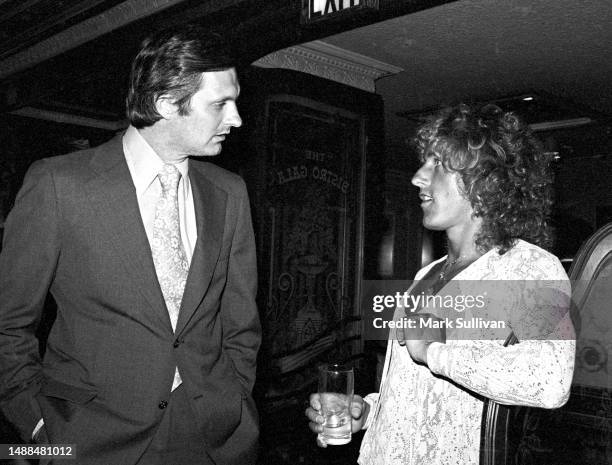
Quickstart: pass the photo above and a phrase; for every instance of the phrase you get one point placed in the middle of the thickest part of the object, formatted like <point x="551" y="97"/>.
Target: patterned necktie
<point x="168" y="255"/>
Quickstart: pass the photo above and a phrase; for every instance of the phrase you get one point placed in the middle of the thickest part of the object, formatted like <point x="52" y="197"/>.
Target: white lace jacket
<point x="431" y="415"/>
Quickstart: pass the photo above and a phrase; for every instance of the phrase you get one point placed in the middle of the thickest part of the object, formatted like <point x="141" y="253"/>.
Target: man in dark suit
<point x="150" y="257"/>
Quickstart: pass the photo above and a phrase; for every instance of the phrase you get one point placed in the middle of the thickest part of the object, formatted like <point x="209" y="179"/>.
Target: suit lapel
<point x="113" y="195"/>
<point x="210" y="204"/>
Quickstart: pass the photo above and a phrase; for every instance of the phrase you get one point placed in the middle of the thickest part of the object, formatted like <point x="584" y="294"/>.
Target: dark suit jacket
<point x="76" y="230"/>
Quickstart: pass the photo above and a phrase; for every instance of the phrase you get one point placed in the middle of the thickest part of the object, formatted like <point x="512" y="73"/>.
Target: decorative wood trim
<point x="330" y="62"/>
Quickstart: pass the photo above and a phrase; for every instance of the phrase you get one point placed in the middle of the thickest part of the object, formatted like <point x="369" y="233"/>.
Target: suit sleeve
<point x="241" y="326"/>
<point x="30" y="251"/>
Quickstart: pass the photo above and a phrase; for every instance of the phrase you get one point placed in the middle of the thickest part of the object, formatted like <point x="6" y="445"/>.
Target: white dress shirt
<point x="144" y="165"/>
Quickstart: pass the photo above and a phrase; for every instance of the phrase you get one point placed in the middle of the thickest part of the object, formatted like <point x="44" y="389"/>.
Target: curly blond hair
<point x="505" y="172"/>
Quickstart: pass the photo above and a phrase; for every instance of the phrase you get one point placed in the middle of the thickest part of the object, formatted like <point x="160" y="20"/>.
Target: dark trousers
<point x="178" y="440"/>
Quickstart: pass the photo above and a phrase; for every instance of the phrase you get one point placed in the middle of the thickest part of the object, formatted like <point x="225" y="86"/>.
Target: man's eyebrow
<point x="224" y="98"/>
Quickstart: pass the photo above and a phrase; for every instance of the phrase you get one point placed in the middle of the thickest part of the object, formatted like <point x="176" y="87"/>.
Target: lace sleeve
<point x="531" y="373"/>
<point x="536" y="372"/>
<point x="372" y="401"/>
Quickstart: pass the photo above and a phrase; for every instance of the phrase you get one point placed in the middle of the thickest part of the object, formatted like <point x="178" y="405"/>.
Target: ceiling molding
<point x="15" y="10"/>
<point x="78" y="34"/>
<point x="330" y="62"/>
<point x="34" y="31"/>
<point x="560" y="124"/>
<point x="66" y="118"/>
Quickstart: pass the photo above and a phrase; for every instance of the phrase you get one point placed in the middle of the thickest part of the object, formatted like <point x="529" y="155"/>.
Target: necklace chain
<point x="448" y="265"/>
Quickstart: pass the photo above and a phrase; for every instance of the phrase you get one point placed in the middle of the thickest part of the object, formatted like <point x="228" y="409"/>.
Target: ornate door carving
<point x="312" y="230"/>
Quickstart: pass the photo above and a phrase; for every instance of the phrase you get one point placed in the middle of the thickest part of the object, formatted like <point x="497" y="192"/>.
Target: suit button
<point x="163" y="404"/>
<point x="176" y="343"/>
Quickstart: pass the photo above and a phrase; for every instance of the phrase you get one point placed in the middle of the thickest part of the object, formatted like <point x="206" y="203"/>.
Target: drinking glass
<point x="336" y="383"/>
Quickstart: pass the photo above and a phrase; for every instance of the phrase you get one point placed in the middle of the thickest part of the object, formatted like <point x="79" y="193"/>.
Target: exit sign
<point x="314" y="10"/>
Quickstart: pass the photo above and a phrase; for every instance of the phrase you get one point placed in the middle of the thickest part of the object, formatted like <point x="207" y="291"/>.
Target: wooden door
<point x="310" y="152"/>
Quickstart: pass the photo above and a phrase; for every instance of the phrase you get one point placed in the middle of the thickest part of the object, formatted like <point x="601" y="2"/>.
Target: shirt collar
<point x="144" y="163"/>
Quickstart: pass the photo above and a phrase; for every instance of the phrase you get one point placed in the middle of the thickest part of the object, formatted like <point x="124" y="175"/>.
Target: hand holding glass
<point x="336" y="394"/>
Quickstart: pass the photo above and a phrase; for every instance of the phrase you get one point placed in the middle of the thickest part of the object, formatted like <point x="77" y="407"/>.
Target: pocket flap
<point x="53" y="388"/>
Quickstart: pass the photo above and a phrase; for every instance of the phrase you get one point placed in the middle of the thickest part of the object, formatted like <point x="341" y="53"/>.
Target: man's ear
<point x="165" y="106"/>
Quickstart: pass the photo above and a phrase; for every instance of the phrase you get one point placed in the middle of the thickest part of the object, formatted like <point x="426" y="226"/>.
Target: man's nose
<point x="420" y="178"/>
<point x="233" y="118"/>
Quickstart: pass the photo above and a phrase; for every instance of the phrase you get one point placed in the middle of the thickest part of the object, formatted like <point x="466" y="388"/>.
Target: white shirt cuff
<point x="39" y="425"/>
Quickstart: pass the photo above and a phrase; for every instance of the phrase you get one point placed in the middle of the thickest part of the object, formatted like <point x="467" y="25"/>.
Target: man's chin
<point x="210" y="151"/>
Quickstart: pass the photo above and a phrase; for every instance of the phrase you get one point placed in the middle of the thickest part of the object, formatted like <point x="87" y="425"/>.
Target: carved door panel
<point x="313" y="221"/>
<point x="310" y="152"/>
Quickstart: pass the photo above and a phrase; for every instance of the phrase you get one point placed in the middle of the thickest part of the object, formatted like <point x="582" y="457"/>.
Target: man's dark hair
<point x="171" y="63"/>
